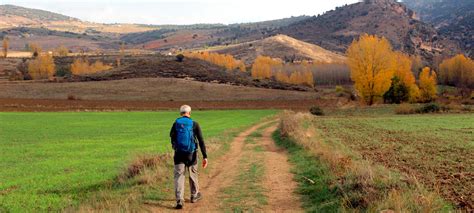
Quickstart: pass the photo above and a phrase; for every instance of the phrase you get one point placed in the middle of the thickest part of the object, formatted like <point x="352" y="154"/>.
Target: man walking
<point x="184" y="134"/>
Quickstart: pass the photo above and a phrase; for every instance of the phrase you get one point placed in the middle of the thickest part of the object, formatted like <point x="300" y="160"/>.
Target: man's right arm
<point x="173" y="136"/>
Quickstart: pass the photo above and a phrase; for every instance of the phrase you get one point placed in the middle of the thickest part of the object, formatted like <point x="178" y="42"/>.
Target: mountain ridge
<point x="336" y="29"/>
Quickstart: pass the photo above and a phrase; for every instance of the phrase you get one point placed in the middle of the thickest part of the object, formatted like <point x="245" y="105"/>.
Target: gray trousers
<point x="179" y="178"/>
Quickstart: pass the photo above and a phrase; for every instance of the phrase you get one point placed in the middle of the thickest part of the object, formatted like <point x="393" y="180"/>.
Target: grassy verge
<point x="313" y="177"/>
<point x="353" y="182"/>
<point x="99" y="160"/>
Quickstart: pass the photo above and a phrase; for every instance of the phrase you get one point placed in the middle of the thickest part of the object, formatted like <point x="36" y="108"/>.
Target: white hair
<point x="185" y="109"/>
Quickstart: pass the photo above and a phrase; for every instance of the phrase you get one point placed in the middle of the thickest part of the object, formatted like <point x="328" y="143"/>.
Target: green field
<point x="52" y="161"/>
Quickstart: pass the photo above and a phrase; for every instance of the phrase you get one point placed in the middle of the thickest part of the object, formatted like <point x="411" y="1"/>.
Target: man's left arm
<point x="202" y="144"/>
<point x="198" y="134"/>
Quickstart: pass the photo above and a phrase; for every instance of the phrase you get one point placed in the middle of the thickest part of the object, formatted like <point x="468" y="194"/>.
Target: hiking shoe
<point x="196" y="198"/>
<point x="179" y="204"/>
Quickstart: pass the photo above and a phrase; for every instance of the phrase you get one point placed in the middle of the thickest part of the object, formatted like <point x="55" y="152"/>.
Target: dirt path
<point x="278" y="179"/>
<point x="278" y="182"/>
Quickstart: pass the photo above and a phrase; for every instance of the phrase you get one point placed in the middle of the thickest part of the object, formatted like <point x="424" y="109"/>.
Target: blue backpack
<point x="185" y="135"/>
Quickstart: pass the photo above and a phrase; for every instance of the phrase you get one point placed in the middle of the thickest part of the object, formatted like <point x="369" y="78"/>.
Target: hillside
<point x="281" y="46"/>
<point x="12" y="16"/>
<point x="336" y="29"/>
<point x="453" y="19"/>
<point x="199" y="35"/>
<point x="48" y="39"/>
<point x="32" y="14"/>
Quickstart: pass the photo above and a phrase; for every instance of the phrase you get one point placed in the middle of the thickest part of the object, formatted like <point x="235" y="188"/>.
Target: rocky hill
<point x="452" y="18"/>
<point x="336" y="29"/>
<point x="281" y="46"/>
<point x="199" y="35"/>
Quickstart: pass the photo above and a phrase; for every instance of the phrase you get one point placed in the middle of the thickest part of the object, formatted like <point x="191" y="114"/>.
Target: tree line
<point x="42" y="65"/>
<point x="380" y="73"/>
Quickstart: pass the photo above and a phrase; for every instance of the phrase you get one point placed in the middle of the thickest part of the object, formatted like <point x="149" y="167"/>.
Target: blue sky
<point x="181" y="11"/>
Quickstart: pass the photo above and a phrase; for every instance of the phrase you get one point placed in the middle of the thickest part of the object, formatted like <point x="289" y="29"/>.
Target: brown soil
<point x="278" y="181"/>
<point x="147" y="89"/>
<point x="42" y="105"/>
<point x="446" y="170"/>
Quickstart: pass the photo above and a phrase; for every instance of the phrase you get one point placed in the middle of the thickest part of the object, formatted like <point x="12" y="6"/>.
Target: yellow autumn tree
<point x="428" y="89"/>
<point x="402" y="66"/>
<point x="263" y="66"/>
<point x="370" y="61"/>
<point x="417" y="64"/>
<point x="81" y="66"/>
<point x="223" y="60"/>
<point x="61" y="51"/>
<point x="42" y="67"/>
<point x="457" y="71"/>
<point x="5" y="45"/>
<point x="281" y="76"/>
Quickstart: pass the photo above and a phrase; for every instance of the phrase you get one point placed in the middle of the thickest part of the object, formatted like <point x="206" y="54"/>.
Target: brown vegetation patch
<point x="141" y="163"/>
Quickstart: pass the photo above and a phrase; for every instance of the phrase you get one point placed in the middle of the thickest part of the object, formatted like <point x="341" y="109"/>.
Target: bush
<point x="405" y="109"/>
<point x="429" y="108"/>
<point x="72" y="97"/>
<point x="340" y="91"/>
<point x="316" y="110"/>
<point x="179" y="58"/>
<point x="63" y="71"/>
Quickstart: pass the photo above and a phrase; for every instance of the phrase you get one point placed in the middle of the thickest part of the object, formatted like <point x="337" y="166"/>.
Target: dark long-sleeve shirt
<point x="189" y="158"/>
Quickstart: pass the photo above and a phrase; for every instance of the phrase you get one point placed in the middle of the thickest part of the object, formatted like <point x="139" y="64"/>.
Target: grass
<point x="56" y="161"/>
<point x="246" y="194"/>
<point x="317" y="196"/>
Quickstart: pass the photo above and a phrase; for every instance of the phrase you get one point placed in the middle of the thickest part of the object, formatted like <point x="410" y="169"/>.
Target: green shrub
<point x="316" y="110"/>
<point x="429" y="108"/>
<point x="397" y="93"/>
<point x="339" y="89"/>
<point x="63" y="71"/>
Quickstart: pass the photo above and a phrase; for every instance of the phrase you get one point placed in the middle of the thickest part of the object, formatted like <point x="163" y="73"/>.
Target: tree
<point x="5" y="46"/>
<point x="457" y="71"/>
<point x="263" y="66"/>
<point x="371" y="63"/>
<point x="35" y="49"/>
<point x="121" y="55"/>
<point x="398" y="92"/>
<point x="417" y="65"/>
<point x="282" y="77"/>
<point x="81" y="66"/>
<point x="428" y="90"/>
<point x="223" y="60"/>
<point x="402" y="66"/>
<point x="62" y="51"/>
<point x="42" y="67"/>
